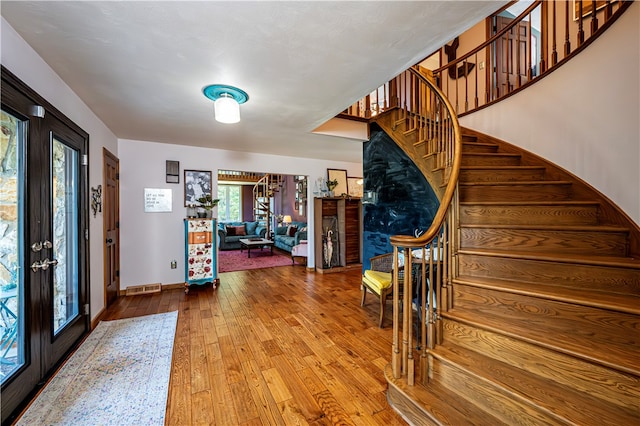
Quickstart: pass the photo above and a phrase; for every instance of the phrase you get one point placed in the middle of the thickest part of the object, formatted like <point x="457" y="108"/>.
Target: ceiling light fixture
<point x="226" y="101"/>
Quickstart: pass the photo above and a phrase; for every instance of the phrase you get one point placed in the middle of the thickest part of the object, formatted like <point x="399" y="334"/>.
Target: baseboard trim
<point x="172" y="286"/>
<point x="98" y="318"/>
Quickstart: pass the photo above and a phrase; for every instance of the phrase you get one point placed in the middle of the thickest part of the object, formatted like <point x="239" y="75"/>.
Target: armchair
<point x="379" y="281"/>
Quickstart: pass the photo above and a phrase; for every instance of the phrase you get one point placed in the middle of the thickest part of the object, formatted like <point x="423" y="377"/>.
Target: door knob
<point x="109" y="240"/>
<point x="46" y="263"/>
<point x="36" y="247"/>
<point x="43" y="264"/>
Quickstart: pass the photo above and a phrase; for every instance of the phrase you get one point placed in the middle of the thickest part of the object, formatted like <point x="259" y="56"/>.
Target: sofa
<point x="285" y="237"/>
<point x="230" y="233"/>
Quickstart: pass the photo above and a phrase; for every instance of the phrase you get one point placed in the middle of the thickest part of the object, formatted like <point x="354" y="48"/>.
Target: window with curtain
<point x="230" y="206"/>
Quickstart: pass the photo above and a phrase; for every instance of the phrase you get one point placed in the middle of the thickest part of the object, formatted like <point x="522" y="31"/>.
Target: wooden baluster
<point x="466" y="86"/>
<point x="488" y="74"/>
<point x="529" y="62"/>
<point x="431" y="338"/>
<point x="608" y="11"/>
<point x="544" y="34"/>
<point x="395" y="351"/>
<point x="408" y="274"/>
<point x="567" y="42"/>
<point x="554" y="54"/>
<point x="508" y="62"/>
<point x="424" y="312"/>
<point x="393" y="93"/>
<point x="580" y="26"/>
<point x="367" y="105"/>
<point x="518" y="71"/>
<point x="475" y="99"/>
<point x="456" y="81"/>
<point x="594" y="19"/>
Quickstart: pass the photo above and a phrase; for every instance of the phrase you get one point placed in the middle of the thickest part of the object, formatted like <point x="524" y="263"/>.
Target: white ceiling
<point x="141" y="66"/>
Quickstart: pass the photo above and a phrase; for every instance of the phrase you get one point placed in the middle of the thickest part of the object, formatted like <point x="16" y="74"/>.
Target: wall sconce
<point x="96" y="200"/>
<point x="226" y="102"/>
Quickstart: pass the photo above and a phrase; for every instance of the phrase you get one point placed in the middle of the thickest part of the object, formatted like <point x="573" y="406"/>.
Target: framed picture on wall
<point x="355" y="184"/>
<point x="341" y="177"/>
<point x="197" y="183"/>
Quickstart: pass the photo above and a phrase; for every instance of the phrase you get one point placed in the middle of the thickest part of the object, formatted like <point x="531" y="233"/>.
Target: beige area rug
<point x="118" y="376"/>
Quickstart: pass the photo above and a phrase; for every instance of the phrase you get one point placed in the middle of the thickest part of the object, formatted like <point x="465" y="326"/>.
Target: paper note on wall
<point x="157" y="200"/>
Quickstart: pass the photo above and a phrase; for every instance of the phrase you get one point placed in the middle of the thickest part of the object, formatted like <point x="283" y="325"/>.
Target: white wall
<point x="584" y="116"/>
<point x="150" y="241"/>
<point x="19" y="58"/>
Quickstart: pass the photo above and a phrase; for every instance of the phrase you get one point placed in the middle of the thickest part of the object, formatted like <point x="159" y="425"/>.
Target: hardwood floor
<point x="277" y="346"/>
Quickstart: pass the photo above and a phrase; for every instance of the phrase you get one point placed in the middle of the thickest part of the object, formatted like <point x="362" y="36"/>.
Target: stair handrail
<point x="445" y="202"/>
<point x="442" y="140"/>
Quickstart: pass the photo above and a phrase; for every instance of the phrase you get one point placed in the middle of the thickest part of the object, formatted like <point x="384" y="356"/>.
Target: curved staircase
<point x="541" y="320"/>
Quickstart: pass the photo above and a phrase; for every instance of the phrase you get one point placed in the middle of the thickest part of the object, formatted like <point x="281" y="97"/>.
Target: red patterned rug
<point x="234" y="260"/>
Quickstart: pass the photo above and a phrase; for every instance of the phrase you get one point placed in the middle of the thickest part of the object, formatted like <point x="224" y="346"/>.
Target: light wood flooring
<point x="277" y="346"/>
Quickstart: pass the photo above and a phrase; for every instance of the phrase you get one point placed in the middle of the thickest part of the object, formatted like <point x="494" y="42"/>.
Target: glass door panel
<point x="12" y="349"/>
<point x="64" y="168"/>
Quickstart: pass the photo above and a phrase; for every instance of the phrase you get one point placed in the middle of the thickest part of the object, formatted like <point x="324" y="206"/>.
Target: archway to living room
<point x="261" y="218"/>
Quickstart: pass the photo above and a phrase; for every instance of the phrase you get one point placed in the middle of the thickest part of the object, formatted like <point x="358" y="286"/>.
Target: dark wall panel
<point x="405" y="202"/>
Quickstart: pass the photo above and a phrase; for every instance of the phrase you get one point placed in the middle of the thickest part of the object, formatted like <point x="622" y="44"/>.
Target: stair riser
<point x="545" y="241"/>
<point x="515" y="192"/>
<point x="528" y="215"/>
<point x="614" y="387"/>
<point x="602" y="278"/>
<point x="553" y="323"/>
<point x="490" y="160"/>
<point x="409" y="408"/>
<point x="488" y="397"/>
<point x="478" y="148"/>
<point x="497" y="175"/>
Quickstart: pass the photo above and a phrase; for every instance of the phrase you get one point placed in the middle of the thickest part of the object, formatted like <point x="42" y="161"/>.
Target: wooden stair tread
<point x="490" y="154"/>
<point x="585" y="228"/>
<point x="620" y="262"/>
<point x="517" y="183"/>
<point x="531" y="203"/>
<point x="557" y="334"/>
<point x="440" y="404"/>
<point x="491" y="168"/>
<point x="597" y="299"/>
<point x="565" y="404"/>
<point x="474" y="143"/>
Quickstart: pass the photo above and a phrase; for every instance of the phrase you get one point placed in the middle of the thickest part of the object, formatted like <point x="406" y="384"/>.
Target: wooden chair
<point x="379" y="281"/>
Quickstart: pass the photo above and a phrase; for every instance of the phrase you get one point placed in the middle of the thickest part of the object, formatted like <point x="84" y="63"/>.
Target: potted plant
<point x="206" y="205"/>
<point x="331" y="184"/>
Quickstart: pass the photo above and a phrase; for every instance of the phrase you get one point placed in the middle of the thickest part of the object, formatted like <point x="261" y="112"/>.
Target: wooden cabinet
<point x="201" y="260"/>
<point x="337" y="234"/>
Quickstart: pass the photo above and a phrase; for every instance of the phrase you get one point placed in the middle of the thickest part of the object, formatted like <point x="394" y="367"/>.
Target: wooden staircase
<point x="542" y="316"/>
<point x="263" y="191"/>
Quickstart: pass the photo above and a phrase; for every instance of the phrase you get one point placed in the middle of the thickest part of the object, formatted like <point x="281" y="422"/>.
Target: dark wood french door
<point x="43" y="255"/>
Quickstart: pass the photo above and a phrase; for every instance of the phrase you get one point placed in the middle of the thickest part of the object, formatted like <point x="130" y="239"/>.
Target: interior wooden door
<point x="512" y="53"/>
<point x="111" y="218"/>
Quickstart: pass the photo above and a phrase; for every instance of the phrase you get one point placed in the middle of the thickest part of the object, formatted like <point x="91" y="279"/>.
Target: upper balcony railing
<point x="518" y="52"/>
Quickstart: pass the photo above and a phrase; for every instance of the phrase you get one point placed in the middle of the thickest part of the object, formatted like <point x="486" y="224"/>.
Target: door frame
<point x="116" y="211"/>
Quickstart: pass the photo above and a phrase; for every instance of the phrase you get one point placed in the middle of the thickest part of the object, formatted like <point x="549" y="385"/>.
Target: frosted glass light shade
<point x="227" y="110"/>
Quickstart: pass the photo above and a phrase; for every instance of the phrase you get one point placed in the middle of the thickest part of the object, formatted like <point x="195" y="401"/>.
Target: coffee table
<point x="249" y="243"/>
